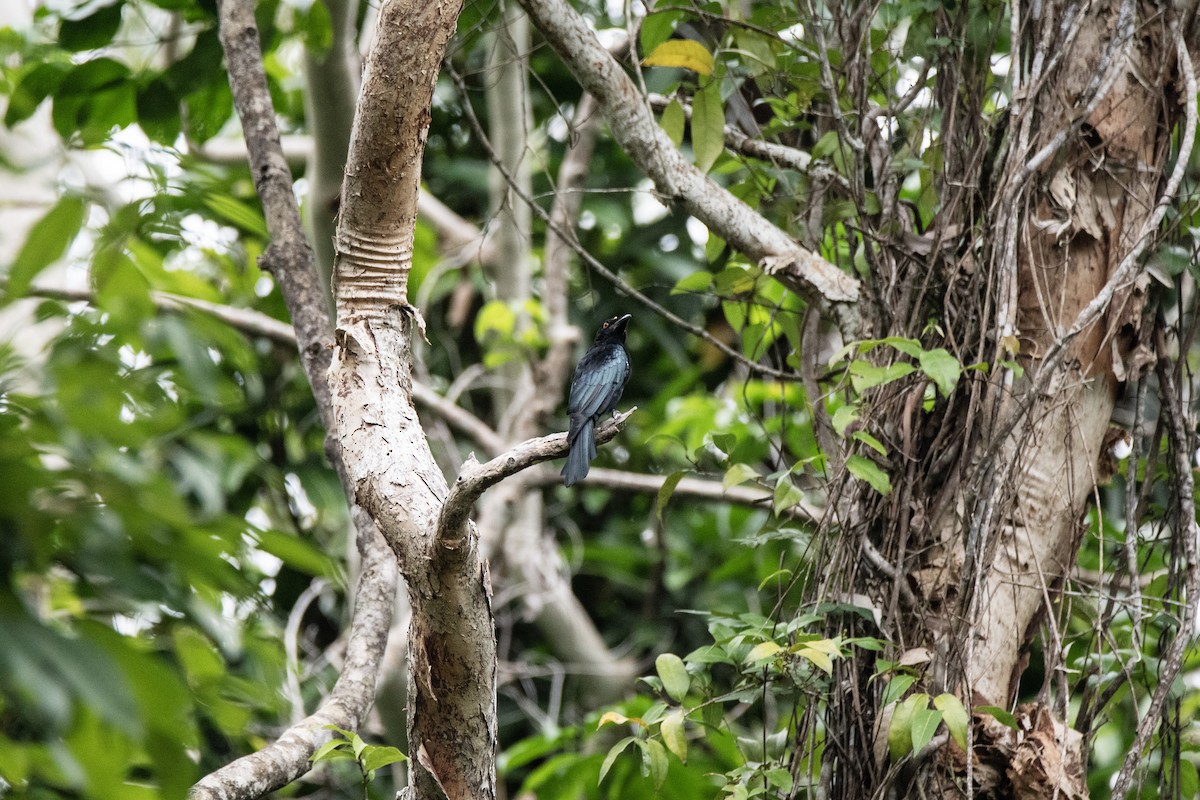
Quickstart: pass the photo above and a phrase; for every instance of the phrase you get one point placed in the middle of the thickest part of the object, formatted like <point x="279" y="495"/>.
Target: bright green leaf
<point x="377" y="756"/>
<point x="1003" y="716"/>
<point x="737" y="475"/>
<point x="818" y="658"/>
<point x="870" y="441"/>
<point x="955" y="717"/>
<point x="924" y="724"/>
<point x="762" y="651"/>
<point x="843" y="417"/>
<point x="900" y="730"/>
<point x="942" y="368"/>
<point x="698" y="281"/>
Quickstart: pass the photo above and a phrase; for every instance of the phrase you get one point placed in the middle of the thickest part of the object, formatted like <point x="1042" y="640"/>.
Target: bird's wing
<point x="598" y="382"/>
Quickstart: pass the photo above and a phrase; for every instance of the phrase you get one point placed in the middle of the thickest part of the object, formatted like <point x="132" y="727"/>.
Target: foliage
<point x="168" y="520"/>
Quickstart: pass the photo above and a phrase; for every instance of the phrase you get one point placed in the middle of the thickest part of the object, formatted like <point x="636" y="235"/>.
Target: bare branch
<point x="475" y="478"/>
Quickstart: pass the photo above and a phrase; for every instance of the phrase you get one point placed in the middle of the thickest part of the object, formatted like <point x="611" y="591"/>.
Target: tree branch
<point x="290" y="260"/>
<point x="287" y="758"/>
<point x="634" y="128"/>
<point x="475" y="478"/>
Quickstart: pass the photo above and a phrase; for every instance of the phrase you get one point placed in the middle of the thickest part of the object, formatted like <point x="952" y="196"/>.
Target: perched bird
<point x="596" y="387"/>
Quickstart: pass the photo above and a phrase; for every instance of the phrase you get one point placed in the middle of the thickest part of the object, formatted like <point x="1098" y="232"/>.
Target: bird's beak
<point x="623" y="322"/>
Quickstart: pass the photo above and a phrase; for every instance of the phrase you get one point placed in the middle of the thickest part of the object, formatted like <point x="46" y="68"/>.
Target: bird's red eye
<point x="605" y="325"/>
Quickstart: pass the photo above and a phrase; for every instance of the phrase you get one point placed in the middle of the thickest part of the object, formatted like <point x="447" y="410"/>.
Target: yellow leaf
<point x="613" y="717"/>
<point x="681" y="53"/>
<point x="762" y="652"/>
<point x="818" y="659"/>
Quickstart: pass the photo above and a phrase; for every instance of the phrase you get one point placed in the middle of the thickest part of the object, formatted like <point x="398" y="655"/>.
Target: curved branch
<point x="475" y="478"/>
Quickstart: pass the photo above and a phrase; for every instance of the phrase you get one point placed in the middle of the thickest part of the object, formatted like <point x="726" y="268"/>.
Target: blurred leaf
<point x="673" y="735"/>
<point x="93" y="31"/>
<point x="865" y="469"/>
<point x="655" y="759"/>
<point x="942" y="368"/>
<point x="47" y="242"/>
<point x="708" y="126"/>
<point x="683" y="53"/>
<point x="613" y="752"/>
<point x="665" y="491"/>
<point x="762" y="652"/>
<point x="674" y="123"/>
<point x="1003" y="716"/>
<point x="674" y="676"/>
<point x="955" y="717"/>
<point x="737" y="475"/>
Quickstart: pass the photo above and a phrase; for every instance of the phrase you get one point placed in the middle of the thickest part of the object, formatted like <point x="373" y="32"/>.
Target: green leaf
<point x="1002" y="715"/>
<point x="819" y="658"/>
<point x="896" y="687"/>
<point x="870" y="441"/>
<point x="654" y="756"/>
<point x="673" y="734"/>
<point x="316" y="29"/>
<point x="865" y="469"/>
<point x="296" y="552"/>
<point x="924" y="724"/>
<point x="665" y="491"/>
<point x="495" y="318"/>
<point x="955" y="717"/>
<point x="843" y="417"/>
<point x="708" y="125"/>
<point x="48" y="241"/>
<point x="737" y="475"/>
<point x="657" y="27"/>
<point x="34" y="87"/>
<point x="376" y="756"/>
<point x="698" y="281"/>
<point x="674" y="676"/>
<point x="333" y="750"/>
<point x="787" y="494"/>
<point x="674" y="122"/>
<point x="942" y="368"/>
<point x="864" y="375"/>
<point x="683" y="53"/>
<point x="241" y="215"/>
<point x="91" y="32"/>
<point x="613" y="752"/>
<point x="899" y="738"/>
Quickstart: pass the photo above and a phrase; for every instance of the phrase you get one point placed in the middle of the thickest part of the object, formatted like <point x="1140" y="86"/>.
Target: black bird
<point x="596" y="387"/>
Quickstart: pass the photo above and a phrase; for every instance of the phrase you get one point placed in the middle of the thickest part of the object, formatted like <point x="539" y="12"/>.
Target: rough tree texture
<point x="987" y="513"/>
<point x="452" y="651"/>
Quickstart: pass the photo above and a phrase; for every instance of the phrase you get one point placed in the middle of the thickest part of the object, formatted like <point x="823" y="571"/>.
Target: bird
<point x="596" y="386"/>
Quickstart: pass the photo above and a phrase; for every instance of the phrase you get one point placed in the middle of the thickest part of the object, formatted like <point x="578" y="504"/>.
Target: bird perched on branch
<point x="596" y="387"/>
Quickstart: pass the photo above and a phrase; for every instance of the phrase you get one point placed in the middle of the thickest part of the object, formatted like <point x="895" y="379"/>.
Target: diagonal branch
<point x="634" y="128"/>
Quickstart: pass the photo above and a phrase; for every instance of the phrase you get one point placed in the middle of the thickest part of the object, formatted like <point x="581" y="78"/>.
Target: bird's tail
<point x="583" y="450"/>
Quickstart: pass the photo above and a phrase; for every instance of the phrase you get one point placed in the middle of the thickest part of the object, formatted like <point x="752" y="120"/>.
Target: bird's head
<point x="613" y="330"/>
